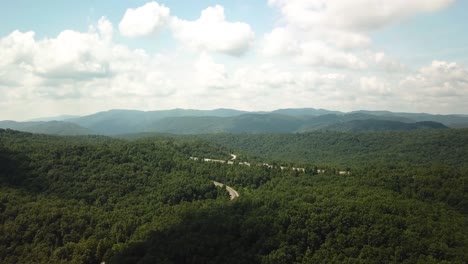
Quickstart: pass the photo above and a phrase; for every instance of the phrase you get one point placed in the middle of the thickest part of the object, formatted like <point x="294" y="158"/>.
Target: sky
<point x="81" y="57"/>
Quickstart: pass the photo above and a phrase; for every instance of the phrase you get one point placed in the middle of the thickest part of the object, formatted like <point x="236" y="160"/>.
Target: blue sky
<point x="80" y="57"/>
<point x="438" y="35"/>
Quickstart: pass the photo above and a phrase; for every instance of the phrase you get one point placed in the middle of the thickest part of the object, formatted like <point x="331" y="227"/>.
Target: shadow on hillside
<point x="14" y="171"/>
<point x="219" y="234"/>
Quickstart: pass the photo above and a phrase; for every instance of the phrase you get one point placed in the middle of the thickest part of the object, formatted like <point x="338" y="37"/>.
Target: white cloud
<point x="355" y="15"/>
<point x="335" y="33"/>
<point x="272" y="81"/>
<point x="280" y="41"/>
<point x="72" y="55"/>
<point x="105" y="28"/>
<point x="209" y="73"/>
<point x="144" y="20"/>
<point x="374" y="86"/>
<point x="263" y="79"/>
<point x="141" y="85"/>
<point x="440" y="79"/>
<point x="308" y="62"/>
<point x="387" y="63"/>
<point x="17" y="48"/>
<point x="344" y="39"/>
<point x="77" y="65"/>
<point x="319" y="54"/>
<point x="288" y="42"/>
<point x="211" y="32"/>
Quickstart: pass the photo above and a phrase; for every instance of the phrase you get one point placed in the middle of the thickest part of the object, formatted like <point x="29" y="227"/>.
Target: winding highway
<point x="233" y="194"/>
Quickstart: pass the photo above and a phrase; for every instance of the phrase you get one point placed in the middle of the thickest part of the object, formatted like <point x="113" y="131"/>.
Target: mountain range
<point x="188" y="121"/>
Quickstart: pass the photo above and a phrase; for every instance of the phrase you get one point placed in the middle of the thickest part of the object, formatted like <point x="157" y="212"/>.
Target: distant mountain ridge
<point x="49" y="127"/>
<point x="53" y="118"/>
<point x="383" y="125"/>
<point x="190" y="121"/>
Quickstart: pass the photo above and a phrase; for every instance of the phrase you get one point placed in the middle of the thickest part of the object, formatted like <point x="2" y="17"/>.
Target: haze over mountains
<point x="186" y="121"/>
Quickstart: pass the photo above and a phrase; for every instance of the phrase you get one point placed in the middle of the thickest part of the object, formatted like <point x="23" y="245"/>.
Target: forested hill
<point x="392" y="148"/>
<point x="47" y="127"/>
<point x="382" y="125"/>
<point x="93" y="199"/>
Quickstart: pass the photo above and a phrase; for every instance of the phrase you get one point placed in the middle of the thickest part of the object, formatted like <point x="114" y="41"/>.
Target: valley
<point x="256" y="132"/>
<point x="90" y="199"/>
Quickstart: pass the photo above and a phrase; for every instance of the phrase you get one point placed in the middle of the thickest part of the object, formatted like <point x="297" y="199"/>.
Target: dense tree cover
<point x="91" y="199"/>
<point x="382" y="125"/>
<point x="311" y="219"/>
<point x="355" y="150"/>
<point x="74" y="198"/>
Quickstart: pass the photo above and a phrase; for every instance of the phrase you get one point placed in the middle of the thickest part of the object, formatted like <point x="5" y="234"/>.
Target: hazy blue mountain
<point x="260" y="123"/>
<point x="301" y="112"/>
<point x="116" y="122"/>
<point x="189" y="121"/>
<point x="51" y="127"/>
<point x="113" y="122"/>
<point x="54" y="118"/>
<point x="248" y="123"/>
<point x="382" y="125"/>
<point x="448" y="120"/>
<point x="324" y="121"/>
<point x="190" y="125"/>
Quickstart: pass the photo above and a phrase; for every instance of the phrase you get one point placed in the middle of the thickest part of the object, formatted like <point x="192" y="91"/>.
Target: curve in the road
<point x="233" y="194"/>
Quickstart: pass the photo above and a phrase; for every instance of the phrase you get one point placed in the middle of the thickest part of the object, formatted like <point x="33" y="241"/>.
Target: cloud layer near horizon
<point x="319" y="54"/>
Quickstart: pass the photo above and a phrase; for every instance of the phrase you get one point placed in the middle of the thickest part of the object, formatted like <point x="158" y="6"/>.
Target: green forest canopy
<point x="90" y="199"/>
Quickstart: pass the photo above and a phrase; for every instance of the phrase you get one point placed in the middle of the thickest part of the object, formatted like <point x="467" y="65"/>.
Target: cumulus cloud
<point x="374" y="86"/>
<point x="319" y="61"/>
<point x="106" y="29"/>
<point x="356" y="15"/>
<point x="286" y="42"/>
<point x="386" y="63"/>
<point x="144" y="20"/>
<point x="343" y="39"/>
<point x="77" y="65"/>
<point x="17" y="48"/>
<point x="209" y="73"/>
<point x="333" y="33"/>
<point x="440" y="79"/>
<point x="319" y="54"/>
<point x="262" y="79"/>
<point x="72" y="55"/>
<point x="211" y="32"/>
<point x="280" y="41"/>
<point x="268" y="86"/>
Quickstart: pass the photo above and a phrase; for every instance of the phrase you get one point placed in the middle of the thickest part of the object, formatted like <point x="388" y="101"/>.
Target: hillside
<point x="116" y="122"/>
<point x="49" y="127"/>
<point x="247" y="123"/>
<point x="382" y="125"/>
<point x="448" y="120"/>
<point x="90" y="199"/>
<point x="391" y="148"/>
